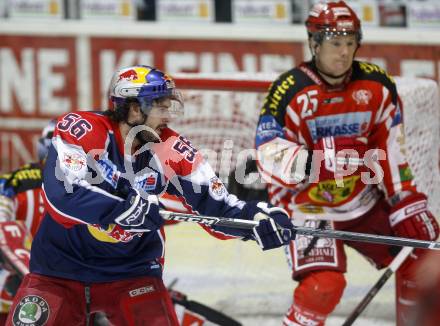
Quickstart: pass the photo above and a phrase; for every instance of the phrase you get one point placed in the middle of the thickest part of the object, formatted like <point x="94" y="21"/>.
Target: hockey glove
<point x="141" y="215"/>
<point x="274" y="229"/>
<point x="337" y="157"/>
<point x="410" y="218"/>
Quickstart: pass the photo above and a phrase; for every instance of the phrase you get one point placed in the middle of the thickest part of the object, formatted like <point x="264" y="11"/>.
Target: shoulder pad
<point x="176" y="154"/>
<point x="167" y="133"/>
<point x="86" y="129"/>
<point x="281" y="92"/>
<point x="24" y="178"/>
<point x="371" y="71"/>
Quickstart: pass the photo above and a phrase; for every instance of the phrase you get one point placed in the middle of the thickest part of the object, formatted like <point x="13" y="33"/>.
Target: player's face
<point x="159" y="116"/>
<point x="334" y="55"/>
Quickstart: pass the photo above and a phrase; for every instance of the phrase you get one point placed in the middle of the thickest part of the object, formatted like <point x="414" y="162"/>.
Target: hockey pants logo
<point x="31" y="310"/>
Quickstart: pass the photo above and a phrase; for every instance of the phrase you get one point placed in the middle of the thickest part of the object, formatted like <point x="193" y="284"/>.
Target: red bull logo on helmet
<point x="129" y="75"/>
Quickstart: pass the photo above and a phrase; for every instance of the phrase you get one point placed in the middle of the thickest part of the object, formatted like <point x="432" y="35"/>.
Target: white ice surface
<point x="255" y="287"/>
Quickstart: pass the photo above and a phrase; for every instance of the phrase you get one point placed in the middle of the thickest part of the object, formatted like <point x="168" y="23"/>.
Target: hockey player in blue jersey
<point x="101" y="243"/>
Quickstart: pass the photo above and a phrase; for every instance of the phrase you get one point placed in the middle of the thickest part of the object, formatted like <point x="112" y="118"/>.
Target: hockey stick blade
<point x="333" y="234"/>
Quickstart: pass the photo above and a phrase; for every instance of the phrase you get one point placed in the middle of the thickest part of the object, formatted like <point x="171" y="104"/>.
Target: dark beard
<point x="145" y="137"/>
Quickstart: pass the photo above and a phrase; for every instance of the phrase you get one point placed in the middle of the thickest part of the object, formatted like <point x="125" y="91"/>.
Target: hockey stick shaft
<point x="333" y="234"/>
<point x="395" y="264"/>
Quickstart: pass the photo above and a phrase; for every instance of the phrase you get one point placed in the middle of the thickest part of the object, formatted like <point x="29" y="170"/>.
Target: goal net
<point x="221" y="113"/>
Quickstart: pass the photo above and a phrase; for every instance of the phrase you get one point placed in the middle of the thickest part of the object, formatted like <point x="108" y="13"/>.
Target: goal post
<point x="221" y="113"/>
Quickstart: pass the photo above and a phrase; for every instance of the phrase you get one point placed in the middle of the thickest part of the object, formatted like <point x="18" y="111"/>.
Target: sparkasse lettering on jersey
<point x="342" y="130"/>
<point x="346" y="124"/>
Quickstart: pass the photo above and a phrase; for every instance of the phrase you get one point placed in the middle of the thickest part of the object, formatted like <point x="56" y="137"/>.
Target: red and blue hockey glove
<point x="141" y="214"/>
<point x="337" y="157"/>
<point x="274" y="229"/>
<point x="410" y="218"/>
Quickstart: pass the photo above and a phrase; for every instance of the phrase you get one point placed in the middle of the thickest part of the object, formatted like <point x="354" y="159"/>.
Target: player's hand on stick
<point x="333" y="157"/>
<point x="410" y="218"/>
<point x="274" y="229"/>
<point x="141" y="214"/>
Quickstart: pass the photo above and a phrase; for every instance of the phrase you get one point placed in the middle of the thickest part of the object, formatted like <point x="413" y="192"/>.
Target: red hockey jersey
<point x="301" y="109"/>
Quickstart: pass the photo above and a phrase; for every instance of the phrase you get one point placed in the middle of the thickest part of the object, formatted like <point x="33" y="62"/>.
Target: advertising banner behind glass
<point x="262" y="11"/>
<point x="367" y="11"/>
<point x="424" y="14"/>
<point x="188" y="10"/>
<point x="47" y="9"/>
<point x="107" y="9"/>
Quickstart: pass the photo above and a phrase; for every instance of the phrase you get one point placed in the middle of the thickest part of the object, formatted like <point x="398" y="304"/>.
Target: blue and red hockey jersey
<point x="85" y="182"/>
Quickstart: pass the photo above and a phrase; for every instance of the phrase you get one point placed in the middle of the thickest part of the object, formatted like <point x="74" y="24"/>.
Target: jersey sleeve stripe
<point x="88" y="186"/>
<point x="394" y="156"/>
<point x="30" y="207"/>
<point x="387" y="112"/>
<point x="60" y="217"/>
<point x="173" y="204"/>
<point x="385" y="93"/>
<point x="293" y="116"/>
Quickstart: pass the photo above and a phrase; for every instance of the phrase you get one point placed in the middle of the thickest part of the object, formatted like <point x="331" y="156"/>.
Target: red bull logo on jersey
<point x="216" y="188"/>
<point x="113" y="234"/>
<point x="74" y="161"/>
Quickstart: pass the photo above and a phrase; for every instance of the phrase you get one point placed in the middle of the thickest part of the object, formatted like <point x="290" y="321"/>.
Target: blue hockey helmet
<point x="146" y="85"/>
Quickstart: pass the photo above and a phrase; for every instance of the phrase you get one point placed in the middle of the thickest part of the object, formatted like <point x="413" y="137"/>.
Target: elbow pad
<point x="285" y="161"/>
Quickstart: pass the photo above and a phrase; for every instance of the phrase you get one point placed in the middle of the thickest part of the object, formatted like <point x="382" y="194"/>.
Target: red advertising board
<point x="45" y="76"/>
<point x="37" y="81"/>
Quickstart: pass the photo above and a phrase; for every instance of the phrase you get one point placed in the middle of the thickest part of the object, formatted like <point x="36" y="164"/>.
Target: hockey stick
<point x="395" y="264"/>
<point x="213" y="316"/>
<point x="334" y="234"/>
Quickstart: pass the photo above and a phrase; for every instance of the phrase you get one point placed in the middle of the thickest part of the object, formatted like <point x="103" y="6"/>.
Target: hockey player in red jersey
<point x="21" y="208"/>
<point x="330" y="144"/>
<point x="100" y="245"/>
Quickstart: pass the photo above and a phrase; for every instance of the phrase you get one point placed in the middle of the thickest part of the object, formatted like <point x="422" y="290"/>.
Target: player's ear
<point x="313" y="45"/>
<point x="135" y="109"/>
